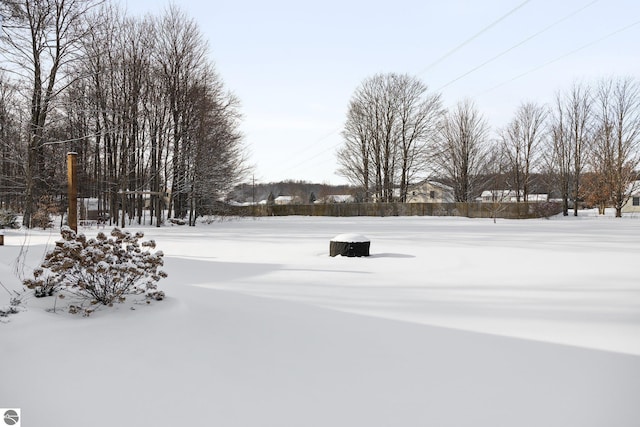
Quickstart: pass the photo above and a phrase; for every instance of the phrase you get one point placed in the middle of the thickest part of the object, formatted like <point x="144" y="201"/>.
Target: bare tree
<point x="11" y="153"/>
<point x="572" y="136"/>
<point x="420" y="116"/>
<point x="370" y="130"/>
<point x="383" y="112"/>
<point x="109" y="102"/>
<point x="157" y="114"/>
<point x="560" y="161"/>
<point x="595" y="188"/>
<point x="390" y="122"/>
<point x="103" y="68"/>
<point x="579" y="114"/>
<point x="462" y="149"/>
<point x="181" y="56"/>
<point x="616" y="153"/>
<point x="219" y="160"/>
<point x="496" y="180"/>
<point x="136" y="98"/>
<point x="39" y="38"/>
<point x="355" y="155"/>
<point x="521" y="141"/>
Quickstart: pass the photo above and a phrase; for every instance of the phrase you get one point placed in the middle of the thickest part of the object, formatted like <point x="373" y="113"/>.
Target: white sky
<point x="295" y="65"/>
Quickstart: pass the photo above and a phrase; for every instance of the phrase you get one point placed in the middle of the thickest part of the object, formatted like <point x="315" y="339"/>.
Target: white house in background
<point x="337" y="198"/>
<point x="492" y="196"/>
<point x="430" y="192"/>
<point x="283" y="200"/>
<point x="509" y="196"/>
<point x="538" y="198"/>
<point x="633" y="204"/>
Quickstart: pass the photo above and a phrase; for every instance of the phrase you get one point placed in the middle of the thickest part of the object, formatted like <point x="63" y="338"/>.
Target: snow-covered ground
<point x="449" y="322"/>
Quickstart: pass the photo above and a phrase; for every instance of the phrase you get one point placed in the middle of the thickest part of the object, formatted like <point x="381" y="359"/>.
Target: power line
<point x="292" y="164"/>
<point x="561" y="57"/>
<point x="545" y="29"/>
<point x="475" y="36"/>
<point x="322" y="138"/>
<point x="315" y="156"/>
<point x="439" y="60"/>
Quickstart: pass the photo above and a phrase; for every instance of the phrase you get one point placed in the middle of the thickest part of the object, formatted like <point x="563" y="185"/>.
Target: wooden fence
<point x="469" y="210"/>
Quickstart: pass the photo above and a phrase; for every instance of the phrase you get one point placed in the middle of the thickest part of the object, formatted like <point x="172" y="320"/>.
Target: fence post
<point x="72" y="219"/>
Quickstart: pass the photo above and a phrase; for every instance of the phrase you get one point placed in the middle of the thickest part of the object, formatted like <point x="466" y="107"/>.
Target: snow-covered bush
<point x="102" y="270"/>
<point x="8" y="219"/>
<point x="13" y="308"/>
<point x="42" y="217"/>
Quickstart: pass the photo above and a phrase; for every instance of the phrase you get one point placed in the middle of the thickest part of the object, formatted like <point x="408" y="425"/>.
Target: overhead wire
<point x="561" y="57"/>
<point x="475" y="36"/>
<point x="517" y="45"/>
<point x="430" y="66"/>
<point x="318" y="154"/>
<point x="469" y="40"/>
<point x="320" y="139"/>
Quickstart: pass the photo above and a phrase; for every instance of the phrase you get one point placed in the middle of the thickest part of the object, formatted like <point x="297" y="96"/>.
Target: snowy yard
<point x="450" y="322"/>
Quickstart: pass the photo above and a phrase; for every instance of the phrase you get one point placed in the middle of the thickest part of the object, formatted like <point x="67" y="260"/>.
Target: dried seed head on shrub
<point x="105" y="269"/>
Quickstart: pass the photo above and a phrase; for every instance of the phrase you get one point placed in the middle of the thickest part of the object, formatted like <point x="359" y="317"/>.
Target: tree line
<point x="587" y="142"/>
<point x="138" y="99"/>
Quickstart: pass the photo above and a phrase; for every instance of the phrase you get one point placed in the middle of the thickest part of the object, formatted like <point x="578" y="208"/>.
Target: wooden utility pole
<point x="72" y="191"/>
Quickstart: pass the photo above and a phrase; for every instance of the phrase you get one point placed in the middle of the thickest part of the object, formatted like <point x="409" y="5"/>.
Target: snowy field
<point x="450" y="322"/>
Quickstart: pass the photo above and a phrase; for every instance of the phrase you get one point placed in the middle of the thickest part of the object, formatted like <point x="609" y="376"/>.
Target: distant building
<point x="538" y="198"/>
<point x="337" y="198"/>
<point x="633" y="204"/>
<point x="284" y="200"/>
<point x="430" y="192"/>
<point x="509" y="196"/>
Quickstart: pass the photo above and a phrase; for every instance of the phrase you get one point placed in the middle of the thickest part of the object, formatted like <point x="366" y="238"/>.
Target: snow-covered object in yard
<point x="350" y="245"/>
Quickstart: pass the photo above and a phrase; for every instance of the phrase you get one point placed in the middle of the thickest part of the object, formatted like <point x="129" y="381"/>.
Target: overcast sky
<point x="295" y="64"/>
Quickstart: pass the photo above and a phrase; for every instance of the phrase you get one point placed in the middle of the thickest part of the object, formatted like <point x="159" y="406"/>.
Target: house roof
<point x="283" y="199"/>
<point x="501" y="193"/>
<point x="340" y="197"/>
<point x="433" y="184"/>
<point x="508" y="194"/>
